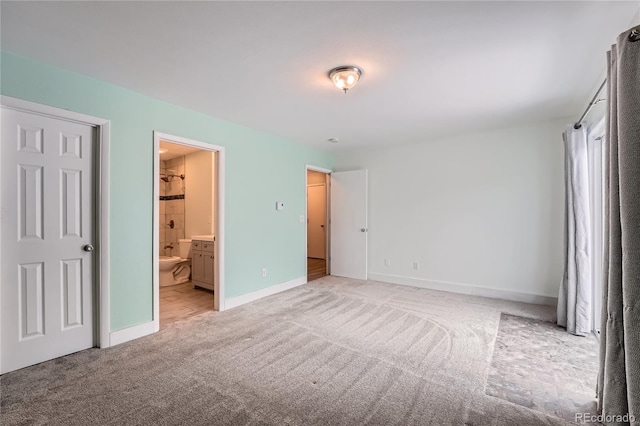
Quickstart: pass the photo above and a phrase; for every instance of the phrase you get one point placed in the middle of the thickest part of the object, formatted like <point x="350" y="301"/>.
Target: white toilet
<point x="176" y="269"/>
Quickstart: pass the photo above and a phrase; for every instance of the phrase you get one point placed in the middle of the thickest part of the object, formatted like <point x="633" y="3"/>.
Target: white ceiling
<point x="175" y="150"/>
<point x="431" y="69"/>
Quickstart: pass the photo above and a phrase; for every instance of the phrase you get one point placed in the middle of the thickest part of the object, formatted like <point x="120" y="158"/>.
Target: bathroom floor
<point x="182" y="301"/>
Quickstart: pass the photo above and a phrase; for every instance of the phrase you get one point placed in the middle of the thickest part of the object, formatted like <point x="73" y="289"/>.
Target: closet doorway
<point x="318" y="183"/>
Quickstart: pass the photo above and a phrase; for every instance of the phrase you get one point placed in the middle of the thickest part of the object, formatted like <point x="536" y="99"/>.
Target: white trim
<point x="219" y="263"/>
<point x="155" y="220"/>
<point x="131" y="333"/>
<point x="103" y="303"/>
<point x="218" y="287"/>
<point x="464" y="289"/>
<point x="318" y="169"/>
<point x="104" y="136"/>
<point x="250" y="297"/>
<point x="51" y="111"/>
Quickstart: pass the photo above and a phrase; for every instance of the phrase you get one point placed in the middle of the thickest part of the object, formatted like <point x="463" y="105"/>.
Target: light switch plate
<point x="279" y="205"/>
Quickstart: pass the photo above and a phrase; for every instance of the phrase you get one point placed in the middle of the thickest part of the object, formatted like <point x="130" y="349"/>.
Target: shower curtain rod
<point x="594" y="101"/>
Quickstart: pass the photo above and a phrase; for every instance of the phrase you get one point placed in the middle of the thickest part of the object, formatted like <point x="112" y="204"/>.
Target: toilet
<point x="176" y="269"/>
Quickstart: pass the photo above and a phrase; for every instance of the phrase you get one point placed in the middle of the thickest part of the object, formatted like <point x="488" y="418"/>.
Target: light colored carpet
<point x="539" y="365"/>
<point x="334" y="351"/>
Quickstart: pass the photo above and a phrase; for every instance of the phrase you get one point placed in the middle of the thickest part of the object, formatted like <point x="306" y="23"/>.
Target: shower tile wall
<point x="171" y="209"/>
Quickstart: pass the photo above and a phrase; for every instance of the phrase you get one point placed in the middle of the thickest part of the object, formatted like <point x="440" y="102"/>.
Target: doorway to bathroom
<point x="318" y="181"/>
<point x="188" y="228"/>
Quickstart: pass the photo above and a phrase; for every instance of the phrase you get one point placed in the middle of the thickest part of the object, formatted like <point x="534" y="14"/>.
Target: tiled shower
<point x="171" y="204"/>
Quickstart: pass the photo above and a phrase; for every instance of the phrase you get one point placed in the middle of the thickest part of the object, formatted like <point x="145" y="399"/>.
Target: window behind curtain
<point x="595" y="141"/>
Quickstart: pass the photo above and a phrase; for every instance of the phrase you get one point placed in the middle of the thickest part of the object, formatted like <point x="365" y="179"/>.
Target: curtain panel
<point x="619" y="375"/>
<point x="574" y="297"/>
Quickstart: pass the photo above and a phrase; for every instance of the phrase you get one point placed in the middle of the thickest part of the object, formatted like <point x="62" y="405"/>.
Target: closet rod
<point x="594" y="101"/>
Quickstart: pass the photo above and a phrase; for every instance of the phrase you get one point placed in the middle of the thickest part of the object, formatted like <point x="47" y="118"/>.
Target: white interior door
<point x="48" y="211"/>
<point x="317" y="218"/>
<point x="349" y="224"/>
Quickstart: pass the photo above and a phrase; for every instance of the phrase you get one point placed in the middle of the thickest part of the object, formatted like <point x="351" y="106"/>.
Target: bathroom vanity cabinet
<point x="202" y="258"/>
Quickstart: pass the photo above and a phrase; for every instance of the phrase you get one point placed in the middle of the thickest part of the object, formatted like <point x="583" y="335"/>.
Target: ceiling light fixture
<point x="333" y="140"/>
<point x="163" y="150"/>
<point x="345" y="77"/>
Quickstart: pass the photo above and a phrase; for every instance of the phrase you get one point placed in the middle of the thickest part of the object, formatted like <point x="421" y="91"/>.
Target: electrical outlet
<point x="416" y="266"/>
<point x="264" y="272"/>
<point x="387" y="262"/>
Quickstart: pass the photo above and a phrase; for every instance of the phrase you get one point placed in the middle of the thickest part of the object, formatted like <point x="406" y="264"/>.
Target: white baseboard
<point x="465" y="289"/>
<point x="130" y="333"/>
<point x="250" y="297"/>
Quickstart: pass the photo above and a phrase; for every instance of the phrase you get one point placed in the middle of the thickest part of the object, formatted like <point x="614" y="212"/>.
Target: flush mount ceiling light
<point x="163" y="150"/>
<point x="345" y="77"/>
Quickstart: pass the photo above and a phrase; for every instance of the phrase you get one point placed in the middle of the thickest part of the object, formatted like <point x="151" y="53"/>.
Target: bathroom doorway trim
<point x="218" y="286"/>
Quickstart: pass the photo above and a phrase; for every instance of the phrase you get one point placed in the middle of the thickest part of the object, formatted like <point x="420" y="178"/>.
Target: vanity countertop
<point x="202" y="237"/>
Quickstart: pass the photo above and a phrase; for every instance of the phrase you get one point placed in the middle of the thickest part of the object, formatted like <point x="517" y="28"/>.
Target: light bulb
<point x="345" y="77"/>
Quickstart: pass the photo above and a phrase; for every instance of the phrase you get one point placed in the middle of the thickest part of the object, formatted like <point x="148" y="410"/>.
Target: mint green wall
<point x="260" y="170"/>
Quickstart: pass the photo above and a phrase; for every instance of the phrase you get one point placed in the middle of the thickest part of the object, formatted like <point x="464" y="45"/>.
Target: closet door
<point x="48" y="192"/>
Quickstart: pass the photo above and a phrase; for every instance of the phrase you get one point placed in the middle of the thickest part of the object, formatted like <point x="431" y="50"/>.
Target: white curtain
<point x="574" y="299"/>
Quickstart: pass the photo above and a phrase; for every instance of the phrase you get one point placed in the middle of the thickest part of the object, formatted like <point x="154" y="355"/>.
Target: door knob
<point x="363" y="229"/>
<point x="88" y="247"/>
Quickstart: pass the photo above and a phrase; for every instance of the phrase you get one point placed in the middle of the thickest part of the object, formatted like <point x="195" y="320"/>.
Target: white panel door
<point x="349" y="224"/>
<point x="316" y="221"/>
<point x="46" y="282"/>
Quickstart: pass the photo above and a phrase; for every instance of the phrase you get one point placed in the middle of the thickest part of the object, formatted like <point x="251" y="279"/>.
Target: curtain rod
<point x="594" y="101"/>
<point x="634" y="35"/>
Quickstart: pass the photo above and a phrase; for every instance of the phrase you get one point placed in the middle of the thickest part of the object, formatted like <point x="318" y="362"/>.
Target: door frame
<point x="218" y="275"/>
<point x="309" y="167"/>
<point x="101" y="285"/>
<point x="595" y="146"/>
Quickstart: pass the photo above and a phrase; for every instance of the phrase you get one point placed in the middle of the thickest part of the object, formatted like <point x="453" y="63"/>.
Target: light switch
<point x="301" y="218"/>
<point x="279" y="205"/>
